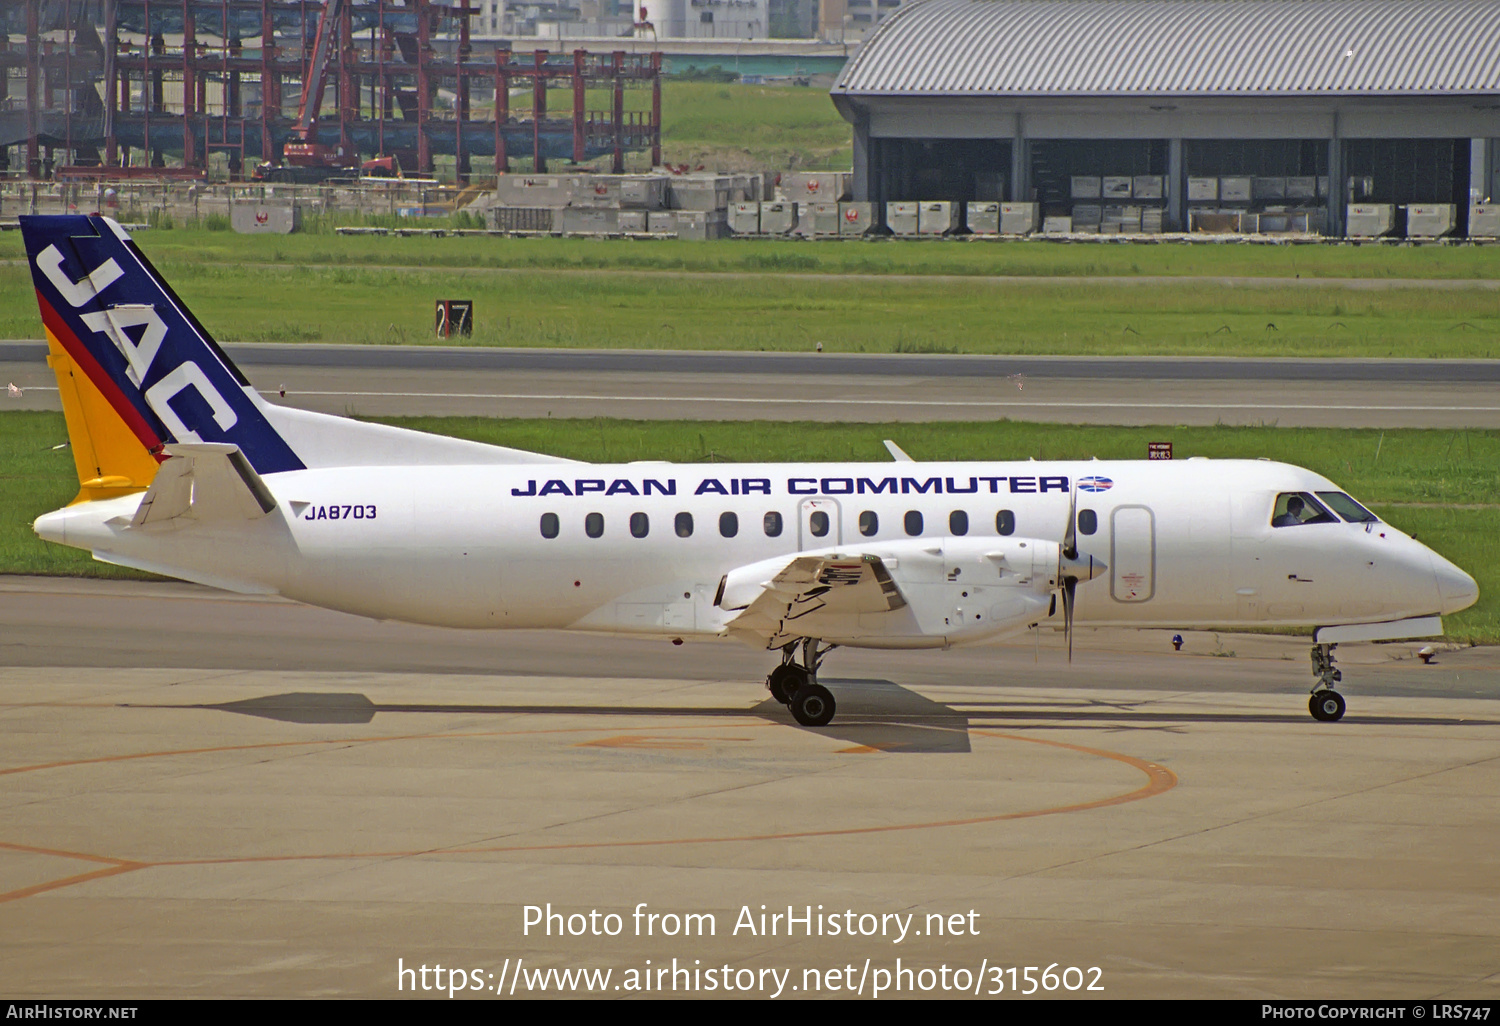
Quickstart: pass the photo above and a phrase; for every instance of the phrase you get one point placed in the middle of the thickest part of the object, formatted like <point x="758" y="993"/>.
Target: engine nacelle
<point x="953" y="591"/>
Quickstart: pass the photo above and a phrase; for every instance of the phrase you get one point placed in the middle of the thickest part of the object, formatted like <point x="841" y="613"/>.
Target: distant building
<point x="1378" y="101"/>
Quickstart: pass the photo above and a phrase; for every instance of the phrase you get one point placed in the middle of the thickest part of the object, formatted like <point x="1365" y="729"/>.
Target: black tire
<point x="813" y="706"/>
<point x="785" y="681"/>
<point x="1326" y="706"/>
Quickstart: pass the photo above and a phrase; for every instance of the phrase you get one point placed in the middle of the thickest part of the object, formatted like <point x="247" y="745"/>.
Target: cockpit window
<point x="1348" y="508"/>
<point x="1296" y="508"/>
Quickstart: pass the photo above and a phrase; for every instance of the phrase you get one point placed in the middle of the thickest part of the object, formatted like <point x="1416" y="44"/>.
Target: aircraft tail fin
<point x="135" y="368"/>
<point x="137" y="372"/>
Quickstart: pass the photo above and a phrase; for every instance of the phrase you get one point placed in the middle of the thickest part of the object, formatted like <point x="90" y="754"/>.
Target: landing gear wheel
<point x="1326" y="706"/>
<point x="785" y="681"/>
<point x="812" y="706"/>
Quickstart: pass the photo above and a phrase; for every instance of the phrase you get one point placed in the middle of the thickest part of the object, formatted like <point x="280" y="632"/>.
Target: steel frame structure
<point x="193" y="77"/>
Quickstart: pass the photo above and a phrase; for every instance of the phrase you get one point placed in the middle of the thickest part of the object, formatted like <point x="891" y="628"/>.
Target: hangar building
<point x="1358" y="101"/>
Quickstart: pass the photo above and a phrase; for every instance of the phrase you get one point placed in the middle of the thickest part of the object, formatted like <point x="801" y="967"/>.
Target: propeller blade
<point x="1070" y="585"/>
<point x="1070" y="536"/>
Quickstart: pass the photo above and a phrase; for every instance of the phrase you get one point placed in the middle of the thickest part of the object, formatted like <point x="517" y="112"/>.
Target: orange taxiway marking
<point x="1159" y="779"/>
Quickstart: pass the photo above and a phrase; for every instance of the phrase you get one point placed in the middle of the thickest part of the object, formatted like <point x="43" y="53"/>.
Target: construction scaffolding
<point x="112" y="88"/>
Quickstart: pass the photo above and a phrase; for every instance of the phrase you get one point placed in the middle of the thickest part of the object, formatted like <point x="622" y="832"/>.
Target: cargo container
<point x="253" y="218"/>
<point x="1302" y="188"/>
<point x="590" y="220"/>
<point x="1057" y="225"/>
<point x="521" y="219"/>
<point x="1019" y="218"/>
<point x="817" y="219"/>
<point x="777" y="217"/>
<point x="1124" y="219"/>
<point x="1087" y="213"/>
<point x="1484" y="221"/>
<point x="1369" y="220"/>
<point x="701" y="224"/>
<point x="1235" y="190"/>
<point x="1086" y="187"/>
<point x="633" y="222"/>
<point x="817" y="186"/>
<point x="1147" y="187"/>
<point x="901" y="217"/>
<point x="1268" y="188"/>
<point x="937" y="217"/>
<point x="1116" y="186"/>
<point x="661" y="222"/>
<point x="855" y="218"/>
<point x="1430" y="220"/>
<point x="621" y="192"/>
<point x="1201" y="190"/>
<point x="744" y="219"/>
<point x="702" y="193"/>
<point x="983" y="218"/>
<point x="553" y="191"/>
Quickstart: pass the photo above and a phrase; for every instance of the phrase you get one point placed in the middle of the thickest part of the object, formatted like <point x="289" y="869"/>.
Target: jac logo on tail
<point x="139" y="356"/>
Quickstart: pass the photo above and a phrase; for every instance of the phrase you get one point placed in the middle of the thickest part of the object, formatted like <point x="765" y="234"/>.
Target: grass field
<point x="1440" y="485"/>
<point x="643" y="310"/>
<point x="1009" y="257"/>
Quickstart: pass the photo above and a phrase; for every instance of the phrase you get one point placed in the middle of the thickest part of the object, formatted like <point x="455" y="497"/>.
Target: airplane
<point x="186" y="471"/>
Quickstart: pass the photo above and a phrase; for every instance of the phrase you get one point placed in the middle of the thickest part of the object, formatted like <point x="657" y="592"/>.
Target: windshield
<point x="1348" y="508"/>
<point x="1293" y="509"/>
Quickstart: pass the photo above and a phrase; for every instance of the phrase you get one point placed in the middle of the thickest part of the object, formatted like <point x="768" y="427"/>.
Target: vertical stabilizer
<point x="135" y="368"/>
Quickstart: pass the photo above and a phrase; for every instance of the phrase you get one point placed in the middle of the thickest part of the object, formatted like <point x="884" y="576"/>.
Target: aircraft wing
<point x="207" y="480"/>
<point x="811" y="584"/>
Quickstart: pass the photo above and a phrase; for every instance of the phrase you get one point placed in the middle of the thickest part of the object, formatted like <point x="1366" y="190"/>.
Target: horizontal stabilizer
<point x="205" y="481"/>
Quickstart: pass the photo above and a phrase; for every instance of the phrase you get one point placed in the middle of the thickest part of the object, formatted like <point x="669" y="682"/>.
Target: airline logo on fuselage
<point x="893" y="485"/>
<point x="1095" y="484"/>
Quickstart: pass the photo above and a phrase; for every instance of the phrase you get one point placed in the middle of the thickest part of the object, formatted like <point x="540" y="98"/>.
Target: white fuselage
<point x="1186" y="544"/>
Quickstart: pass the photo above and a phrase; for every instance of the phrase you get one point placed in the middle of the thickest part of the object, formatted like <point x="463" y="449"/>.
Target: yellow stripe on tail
<point x="110" y="459"/>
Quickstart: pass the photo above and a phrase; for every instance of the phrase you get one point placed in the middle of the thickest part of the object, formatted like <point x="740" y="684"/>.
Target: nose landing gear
<point x="796" y="685"/>
<point x="1326" y="704"/>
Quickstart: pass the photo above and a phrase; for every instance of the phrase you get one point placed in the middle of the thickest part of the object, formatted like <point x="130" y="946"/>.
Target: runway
<point x="209" y="795"/>
<point x="457" y="381"/>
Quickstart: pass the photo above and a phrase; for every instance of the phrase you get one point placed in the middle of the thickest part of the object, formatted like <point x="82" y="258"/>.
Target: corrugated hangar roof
<point x="1181" y="47"/>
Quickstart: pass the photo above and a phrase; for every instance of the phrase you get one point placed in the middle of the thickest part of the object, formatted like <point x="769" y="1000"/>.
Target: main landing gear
<point x="1326" y="704"/>
<point x="795" y="684"/>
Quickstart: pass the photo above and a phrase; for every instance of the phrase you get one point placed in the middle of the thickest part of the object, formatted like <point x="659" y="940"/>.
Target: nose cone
<point x="1457" y="589"/>
<point x="1083" y="567"/>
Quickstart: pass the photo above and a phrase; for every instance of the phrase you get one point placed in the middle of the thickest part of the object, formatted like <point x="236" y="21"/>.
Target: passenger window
<point x="1293" y="509"/>
<point x="684" y="525"/>
<point x="1348" y="508"/>
<point x="549" y="525"/>
<point x="640" y="525"/>
<point x="729" y="525"/>
<point x="869" y="523"/>
<point x="593" y="525"/>
<point x="1005" y="522"/>
<point x="772" y="524"/>
<point x="958" y="522"/>
<point x="913" y="523"/>
<point x="818" y="524"/>
<point x="1088" y="521"/>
